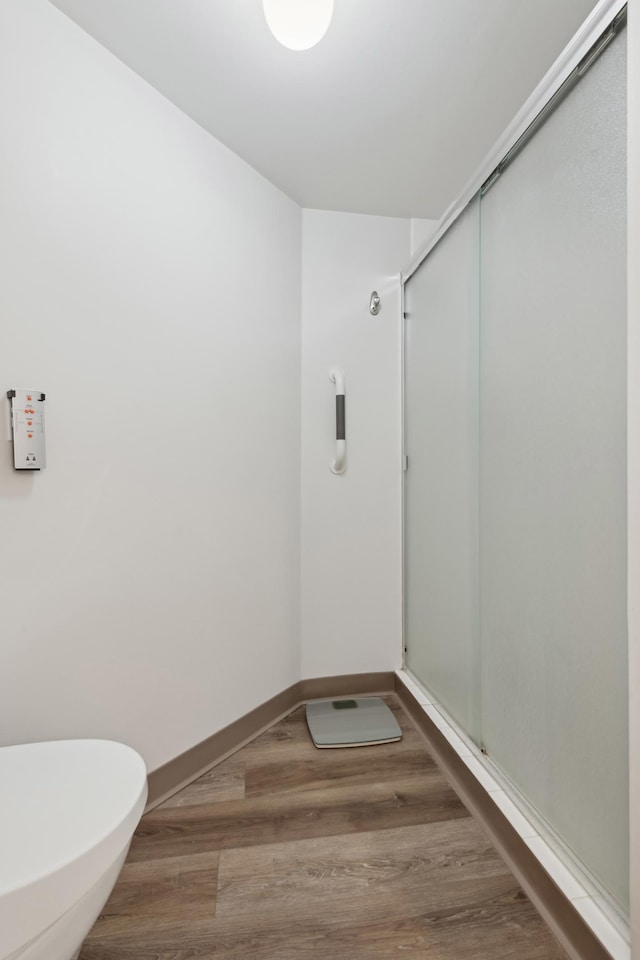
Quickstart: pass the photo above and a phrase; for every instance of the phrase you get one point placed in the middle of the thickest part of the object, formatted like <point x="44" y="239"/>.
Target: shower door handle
<point x="336" y="375"/>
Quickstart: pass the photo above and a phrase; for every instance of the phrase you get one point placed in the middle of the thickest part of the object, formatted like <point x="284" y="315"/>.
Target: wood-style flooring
<point x="284" y="852"/>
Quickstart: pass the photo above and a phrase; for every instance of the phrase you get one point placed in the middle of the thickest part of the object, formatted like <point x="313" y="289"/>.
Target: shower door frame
<point x="577" y="50"/>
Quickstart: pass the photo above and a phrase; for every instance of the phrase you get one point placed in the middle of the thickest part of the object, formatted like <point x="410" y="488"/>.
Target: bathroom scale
<point x="351" y="723"/>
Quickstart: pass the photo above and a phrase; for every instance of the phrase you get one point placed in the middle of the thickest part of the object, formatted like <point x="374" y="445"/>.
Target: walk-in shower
<point x="515" y="494"/>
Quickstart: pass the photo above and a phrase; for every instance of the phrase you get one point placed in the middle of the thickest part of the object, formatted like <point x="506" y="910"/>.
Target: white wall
<point x="149" y="578"/>
<point x="421" y="231"/>
<point x="351" y="524"/>
<point x="633" y="257"/>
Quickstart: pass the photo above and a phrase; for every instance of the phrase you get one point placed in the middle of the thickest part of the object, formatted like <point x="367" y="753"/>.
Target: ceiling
<point x="389" y="114"/>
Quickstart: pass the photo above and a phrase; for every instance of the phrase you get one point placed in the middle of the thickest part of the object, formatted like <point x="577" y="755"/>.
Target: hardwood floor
<point x="284" y="852"/>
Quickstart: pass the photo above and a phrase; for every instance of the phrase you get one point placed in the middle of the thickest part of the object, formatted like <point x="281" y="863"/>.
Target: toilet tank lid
<point x="62" y="801"/>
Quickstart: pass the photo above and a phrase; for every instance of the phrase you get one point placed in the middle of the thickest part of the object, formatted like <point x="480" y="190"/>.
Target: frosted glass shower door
<point x="553" y="471"/>
<point x="441" y="483"/>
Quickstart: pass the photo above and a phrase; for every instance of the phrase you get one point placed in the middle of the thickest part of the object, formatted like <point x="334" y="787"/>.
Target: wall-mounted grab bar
<point x="336" y="375"/>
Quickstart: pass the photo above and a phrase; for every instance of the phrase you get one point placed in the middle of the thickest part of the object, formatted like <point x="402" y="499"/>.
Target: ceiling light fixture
<point x="298" y="24"/>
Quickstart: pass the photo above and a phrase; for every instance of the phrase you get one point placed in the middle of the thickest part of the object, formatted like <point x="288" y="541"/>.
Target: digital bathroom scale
<point x="351" y="723"/>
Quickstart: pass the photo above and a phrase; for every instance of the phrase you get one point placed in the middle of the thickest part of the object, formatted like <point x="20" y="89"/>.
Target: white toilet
<point x="68" y="810"/>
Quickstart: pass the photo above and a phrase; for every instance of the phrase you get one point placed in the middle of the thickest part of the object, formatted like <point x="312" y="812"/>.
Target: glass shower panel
<point x="441" y="483"/>
<point x="553" y="471"/>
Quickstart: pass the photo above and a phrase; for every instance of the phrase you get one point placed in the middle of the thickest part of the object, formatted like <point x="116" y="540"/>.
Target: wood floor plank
<point x="159" y="898"/>
<point x="273" y="819"/>
<point x="383" y="874"/>
<point x="320" y="771"/>
<point x="503" y="929"/>
<point x="223" y="782"/>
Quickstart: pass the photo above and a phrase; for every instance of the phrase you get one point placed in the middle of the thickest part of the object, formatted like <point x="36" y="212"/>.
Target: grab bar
<point x="336" y="375"/>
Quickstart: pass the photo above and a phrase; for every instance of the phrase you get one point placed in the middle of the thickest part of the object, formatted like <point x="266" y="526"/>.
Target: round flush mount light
<point x="298" y="24"/>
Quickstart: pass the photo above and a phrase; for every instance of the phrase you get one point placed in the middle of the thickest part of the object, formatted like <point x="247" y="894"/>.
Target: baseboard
<point x="188" y="766"/>
<point x="348" y="685"/>
<point x="554" y="907"/>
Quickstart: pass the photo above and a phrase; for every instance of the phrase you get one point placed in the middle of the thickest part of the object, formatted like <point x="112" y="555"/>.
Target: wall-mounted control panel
<point x="27" y="429"/>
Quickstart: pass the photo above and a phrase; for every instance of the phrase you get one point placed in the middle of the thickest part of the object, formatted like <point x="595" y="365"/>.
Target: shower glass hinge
<point x="405" y="463"/>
